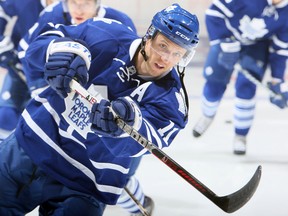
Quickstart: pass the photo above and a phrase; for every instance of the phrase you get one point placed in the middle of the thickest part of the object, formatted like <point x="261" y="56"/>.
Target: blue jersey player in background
<point x="254" y="34"/>
<point x="67" y="12"/>
<point x="16" y="17"/>
<point x="65" y="148"/>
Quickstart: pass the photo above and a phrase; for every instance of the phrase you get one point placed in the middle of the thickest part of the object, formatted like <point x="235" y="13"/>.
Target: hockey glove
<point x="67" y="60"/>
<point x="230" y="52"/>
<point x="102" y="118"/>
<point x="281" y="89"/>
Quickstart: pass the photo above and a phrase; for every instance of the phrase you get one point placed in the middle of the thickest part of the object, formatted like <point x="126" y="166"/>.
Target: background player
<point x="255" y="35"/>
<point x="16" y="17"/>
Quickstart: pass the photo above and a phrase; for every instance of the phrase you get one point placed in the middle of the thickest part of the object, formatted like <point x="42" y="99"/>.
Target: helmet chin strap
<point x="181" y="75"/>
<point x="142" y="50"/>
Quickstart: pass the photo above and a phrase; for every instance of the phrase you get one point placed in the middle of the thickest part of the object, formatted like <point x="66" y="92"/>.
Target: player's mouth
<point x="159" y="66"/>
<point x="79" y="19"/>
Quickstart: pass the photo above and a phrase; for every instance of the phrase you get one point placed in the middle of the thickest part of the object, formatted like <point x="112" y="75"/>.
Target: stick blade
<point x="236" y="200"/>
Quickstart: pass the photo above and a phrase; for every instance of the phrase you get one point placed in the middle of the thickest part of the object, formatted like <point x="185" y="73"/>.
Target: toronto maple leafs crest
<point x="181" y="102"/>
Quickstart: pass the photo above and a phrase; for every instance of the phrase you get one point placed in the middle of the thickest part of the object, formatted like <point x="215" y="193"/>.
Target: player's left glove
<point x="102" y="117"/>
<point x="281" y="89"/>
<point x="67" y="60"/>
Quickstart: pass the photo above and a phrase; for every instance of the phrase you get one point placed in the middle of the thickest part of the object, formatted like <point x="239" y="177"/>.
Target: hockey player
<point x="69" y="12"/>
<point x="16" y="17"/>
<point x="255" y="35"/>
<point x="62" y="147"/>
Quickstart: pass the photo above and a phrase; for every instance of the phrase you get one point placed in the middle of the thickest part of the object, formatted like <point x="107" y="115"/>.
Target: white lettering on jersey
<point x="139" y="92"/>
<point x="125" y="73"/>
<point x="167" y="131"/>
<point x="164" y="130"/>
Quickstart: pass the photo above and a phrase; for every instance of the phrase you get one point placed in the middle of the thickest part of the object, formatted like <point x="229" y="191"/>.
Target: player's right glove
<point x="230" y="52"/>
<point x="281" y="91"/>
<point x="102" y="118"/>
<point x="67" y="60"/>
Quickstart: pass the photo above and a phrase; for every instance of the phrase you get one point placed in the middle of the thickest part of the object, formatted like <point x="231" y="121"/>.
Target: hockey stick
<point x="140" y="206"/>
<point x="252" y="79"/>
<point x="228" y="203"/>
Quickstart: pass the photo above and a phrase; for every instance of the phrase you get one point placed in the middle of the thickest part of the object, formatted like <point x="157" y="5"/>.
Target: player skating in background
<point x="75" y="12"/>
<point x="255" y="34"/>
<point x="56" y="146"/>
<point x="67" y="12"/>
<point x="16" y="17"/>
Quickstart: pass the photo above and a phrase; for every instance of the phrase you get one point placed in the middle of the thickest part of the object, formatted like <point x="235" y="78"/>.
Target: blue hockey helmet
<point x="179" y="26"/>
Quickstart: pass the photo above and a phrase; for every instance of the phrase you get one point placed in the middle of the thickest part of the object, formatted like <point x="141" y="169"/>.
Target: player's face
<point x="48" y="2"/>
<point x="81" y="10"/>
<point x="162" y="54"/>
<point x="276" y="1"/>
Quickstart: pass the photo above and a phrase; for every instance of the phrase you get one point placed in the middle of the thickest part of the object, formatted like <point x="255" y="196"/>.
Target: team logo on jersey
<point x="77" y="114"/>
<point x="181" y="101"/>
<point x="252" y="28"/>
<point x="125" y="74"/>
<point x="78" y="109"/>
<point x="132" y="70"/>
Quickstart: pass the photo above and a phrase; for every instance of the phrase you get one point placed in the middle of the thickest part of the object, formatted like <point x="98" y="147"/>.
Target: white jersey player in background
<point x="254" y="34"/>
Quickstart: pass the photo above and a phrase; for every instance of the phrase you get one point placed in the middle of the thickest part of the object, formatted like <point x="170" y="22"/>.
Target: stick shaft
<point x="229" y="203"/>
<point x="140" y="206"/>
<point x="252" y="79"/>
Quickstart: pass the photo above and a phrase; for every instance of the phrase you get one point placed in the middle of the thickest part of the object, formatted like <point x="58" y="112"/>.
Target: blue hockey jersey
<point x="58" y="15"/>
<point x="56" y="133"/>
<point x="248" y="21"/>
<point x="20" y="15"/>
